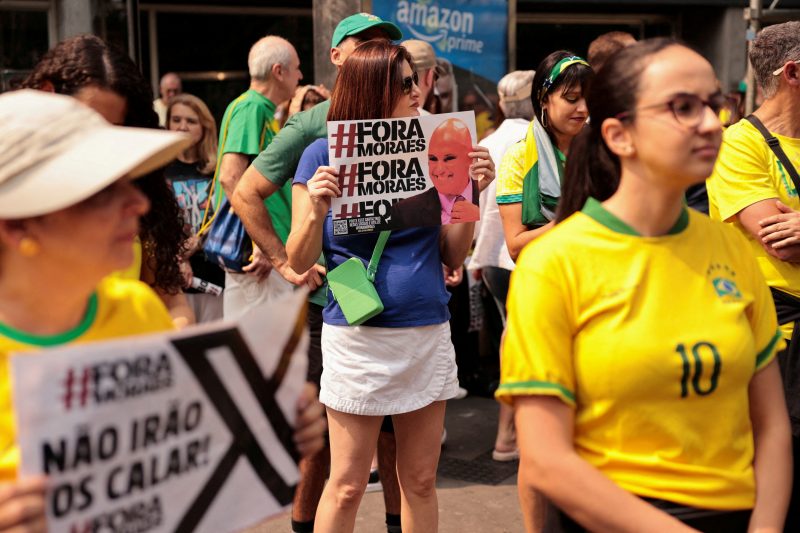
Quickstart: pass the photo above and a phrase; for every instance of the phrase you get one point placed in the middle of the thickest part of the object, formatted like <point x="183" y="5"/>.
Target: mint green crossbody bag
<point x="353" y="286"/>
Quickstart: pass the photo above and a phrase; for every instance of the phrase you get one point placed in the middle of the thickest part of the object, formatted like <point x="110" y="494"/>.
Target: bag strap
<point x="775" y="146"/>
<point x="372" y="269"/>
<point x="217" y="198"/>
<point x="213" y="186"/>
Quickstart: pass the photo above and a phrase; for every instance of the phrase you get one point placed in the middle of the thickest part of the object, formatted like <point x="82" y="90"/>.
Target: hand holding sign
<point x="401" y="172"/>
<point x="198" y="430"/>
<point x="482" y="168"/>
<point x="322" y="188"/>
<point x="309" y="434"/>
<point x="22" y="506"/>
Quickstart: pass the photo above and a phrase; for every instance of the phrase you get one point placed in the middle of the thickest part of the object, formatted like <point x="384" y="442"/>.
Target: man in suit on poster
<point x="454" y="196"/>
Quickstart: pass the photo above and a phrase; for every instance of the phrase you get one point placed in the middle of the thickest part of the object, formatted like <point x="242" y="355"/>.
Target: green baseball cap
<point x="363" y="21"/>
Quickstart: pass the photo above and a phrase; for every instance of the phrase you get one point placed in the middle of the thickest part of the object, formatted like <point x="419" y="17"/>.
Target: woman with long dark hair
<point x="529" y="177"/>
<point x="106" y="80"/>
<point x="641" y="341"/>
<point x="401" y="363"/>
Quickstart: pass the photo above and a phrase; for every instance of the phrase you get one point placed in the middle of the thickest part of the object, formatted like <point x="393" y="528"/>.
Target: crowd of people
<point x="648" y="352"/>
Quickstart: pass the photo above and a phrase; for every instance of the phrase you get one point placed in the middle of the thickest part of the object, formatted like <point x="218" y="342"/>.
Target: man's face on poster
<point x="448" y="162"/>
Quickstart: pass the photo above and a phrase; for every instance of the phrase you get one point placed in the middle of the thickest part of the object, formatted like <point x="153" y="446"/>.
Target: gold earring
<point x="28" y="247"/>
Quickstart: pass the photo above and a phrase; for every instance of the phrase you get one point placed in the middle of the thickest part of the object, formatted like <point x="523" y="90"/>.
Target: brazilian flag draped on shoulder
<point x="544" y="170"/>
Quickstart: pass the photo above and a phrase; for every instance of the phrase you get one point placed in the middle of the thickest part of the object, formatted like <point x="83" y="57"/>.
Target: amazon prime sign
<point x="471" y="34"/>
<point x="179" y="432"/>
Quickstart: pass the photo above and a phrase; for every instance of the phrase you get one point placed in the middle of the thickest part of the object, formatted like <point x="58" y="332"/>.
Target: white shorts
<point x="244" y="292"/>
<point x="386" y="371"/>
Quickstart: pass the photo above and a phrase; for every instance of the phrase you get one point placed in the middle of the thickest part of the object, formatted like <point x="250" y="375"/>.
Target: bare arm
<point x="177" y="304"/>
<point x="776" y="226"/>
<point x="773" y="450"/>
<point x="179" y="309"/>
<point x="549" y="464"/>
<point x="231" y="170"/>
<point x="516" y="233"/>
<point x="248" y="202"/>
<point x="310" y="205"/>
<point x="456" y="239"/>
<point x="454" y="243"/>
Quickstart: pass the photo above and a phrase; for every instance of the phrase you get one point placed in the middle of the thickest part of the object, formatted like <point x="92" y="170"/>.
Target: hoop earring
<point x="28" y="247"/>
<point x="544" y="118"/>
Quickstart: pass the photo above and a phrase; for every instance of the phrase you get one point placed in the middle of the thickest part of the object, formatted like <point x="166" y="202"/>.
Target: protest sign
<point x="178" y="432"/>
<point x="403" y="172"/>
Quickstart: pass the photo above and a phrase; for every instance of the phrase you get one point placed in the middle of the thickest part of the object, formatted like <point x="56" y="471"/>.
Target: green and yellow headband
<point x="559" y="69"/>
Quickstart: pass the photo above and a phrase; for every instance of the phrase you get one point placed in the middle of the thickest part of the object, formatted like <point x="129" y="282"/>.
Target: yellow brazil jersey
<point x="653" y="341"/>
<point x="511" y="175"/>
<point x="118" y="308"/>
<point x="747" y="172"/>
<point x="512" y="171"/>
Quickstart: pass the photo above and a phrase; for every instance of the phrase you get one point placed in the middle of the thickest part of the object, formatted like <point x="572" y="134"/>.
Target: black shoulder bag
<point x="786" y="305"/>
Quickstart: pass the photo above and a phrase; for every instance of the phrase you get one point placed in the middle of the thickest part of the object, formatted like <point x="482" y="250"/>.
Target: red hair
<point x="370" y="82"/>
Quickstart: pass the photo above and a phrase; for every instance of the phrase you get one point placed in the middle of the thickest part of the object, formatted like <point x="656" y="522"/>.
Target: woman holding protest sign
<point x="529" y="177"/>
<point x="640" y="349"/>
<point x="400" y="362"/>
<point x="69" y="212"/>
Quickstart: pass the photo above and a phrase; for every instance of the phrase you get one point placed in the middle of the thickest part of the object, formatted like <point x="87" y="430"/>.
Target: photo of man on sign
<point x="454" y="196"/>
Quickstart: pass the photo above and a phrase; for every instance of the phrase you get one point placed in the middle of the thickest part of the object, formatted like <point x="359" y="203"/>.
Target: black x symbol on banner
<point x="193" y="351"/>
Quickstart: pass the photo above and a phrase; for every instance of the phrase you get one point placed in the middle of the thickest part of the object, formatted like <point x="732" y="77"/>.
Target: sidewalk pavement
<point x="476" y="494"/>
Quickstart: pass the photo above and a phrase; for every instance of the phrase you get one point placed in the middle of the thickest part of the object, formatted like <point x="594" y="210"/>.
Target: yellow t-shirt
<point x="512" y="171"/>
<point x="511" y="175"/>
<point x="747" y="172"/>
<point x="653" y="341"/>
<point x="118" y="308"/>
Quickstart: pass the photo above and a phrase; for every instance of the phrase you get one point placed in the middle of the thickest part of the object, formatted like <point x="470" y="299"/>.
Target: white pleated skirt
<point x="386" y="371"/>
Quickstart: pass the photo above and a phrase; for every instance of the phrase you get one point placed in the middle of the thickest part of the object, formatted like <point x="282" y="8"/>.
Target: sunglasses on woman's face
<point x="409" y="82"/>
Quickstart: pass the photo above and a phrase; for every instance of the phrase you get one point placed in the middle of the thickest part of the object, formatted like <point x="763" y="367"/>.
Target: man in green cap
<point x="272" y="170"/>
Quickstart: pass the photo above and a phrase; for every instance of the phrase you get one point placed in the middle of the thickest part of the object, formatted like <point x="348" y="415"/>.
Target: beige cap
<point x="56" y="152"/>
<point x="523" y="93"/>
<point x="422" y="54"/>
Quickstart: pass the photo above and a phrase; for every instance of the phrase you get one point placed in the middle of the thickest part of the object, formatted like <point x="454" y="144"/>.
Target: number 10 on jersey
<point x="694" y="368"/>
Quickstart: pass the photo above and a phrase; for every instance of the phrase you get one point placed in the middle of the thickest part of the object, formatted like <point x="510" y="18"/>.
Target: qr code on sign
<point x="340" y="227"/>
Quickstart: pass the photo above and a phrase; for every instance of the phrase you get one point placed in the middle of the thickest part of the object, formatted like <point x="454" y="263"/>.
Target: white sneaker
<point x="461" y="394"/>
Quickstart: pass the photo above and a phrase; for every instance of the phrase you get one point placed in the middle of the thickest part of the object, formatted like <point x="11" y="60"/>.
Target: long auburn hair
<point x="370" y="82"/>
<point x="207" y="147"/>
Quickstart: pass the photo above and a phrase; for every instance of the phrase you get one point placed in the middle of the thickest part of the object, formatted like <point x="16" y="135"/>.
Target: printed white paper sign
<point x="404" y="172"/>
<point x="176" y="432"/>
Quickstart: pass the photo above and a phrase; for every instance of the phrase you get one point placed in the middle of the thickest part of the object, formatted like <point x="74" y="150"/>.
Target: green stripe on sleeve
<point x="509" y="199"/>
<point x="537" y="387"/>
<point x="765" y="354"/>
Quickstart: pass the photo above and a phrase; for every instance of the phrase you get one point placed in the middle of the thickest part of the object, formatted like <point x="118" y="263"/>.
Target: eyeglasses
<point x="780" y="70"/>
<point x="687" y="108"/>
<point x="409" y="82"/>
